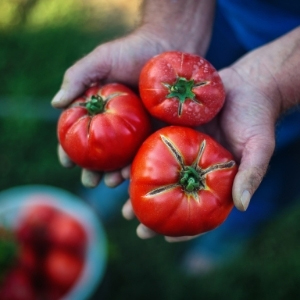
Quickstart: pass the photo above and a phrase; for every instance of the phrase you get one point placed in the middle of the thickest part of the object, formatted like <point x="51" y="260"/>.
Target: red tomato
<point x="28" y="259"/>
<point x="33" y="224"/>
<point x="181" y="182"/>
<point x="62" y="269"/>
<point x="103" y="129"/>
<point x="16" y="285"/>
<point x="51" y="292"/>
<point x="67" y="233"/>
<point x="181" y="89"/>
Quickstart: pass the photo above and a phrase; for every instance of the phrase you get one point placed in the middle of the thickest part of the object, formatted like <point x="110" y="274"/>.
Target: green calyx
<point x="95" y="105"/>
<point x="190" y="179"/>
<point x="181" y="89"/>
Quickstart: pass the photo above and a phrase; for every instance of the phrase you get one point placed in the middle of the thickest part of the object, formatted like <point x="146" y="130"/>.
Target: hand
<point x="121" y="60"/>
<point x="259" y="87"/>
<point x="113" y="61"/>
<point x="245" y="127"/>
<point x="90" y="178"/>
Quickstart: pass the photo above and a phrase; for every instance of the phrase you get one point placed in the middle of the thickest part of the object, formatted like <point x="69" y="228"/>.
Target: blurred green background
<point x="39" y="40"/>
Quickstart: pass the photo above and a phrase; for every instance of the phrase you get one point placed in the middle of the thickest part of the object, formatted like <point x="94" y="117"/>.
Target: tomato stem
<point x="95" y="105"/>
<point x="190" y="179"/>
<point x="182" y="89"/>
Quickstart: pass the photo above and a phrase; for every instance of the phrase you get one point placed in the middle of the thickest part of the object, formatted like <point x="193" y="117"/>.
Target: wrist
<point x="273" y="69"/>
<point x="287" y="72"/>
<point x="181" y="25"/>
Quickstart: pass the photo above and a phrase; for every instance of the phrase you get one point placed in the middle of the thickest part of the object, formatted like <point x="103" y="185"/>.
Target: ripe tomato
<point x="67" y="233"/>
<point x="28" y="259"/>
<point x="181" y="89"/>
<point x="103" y="129"/>
<point x="16" y="285"/>
<point x="181" y="182"/>
<point x="32" y="226"/>
<point x="62" y="269"/>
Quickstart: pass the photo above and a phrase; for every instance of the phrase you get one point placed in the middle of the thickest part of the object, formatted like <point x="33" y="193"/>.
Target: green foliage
<point x="36" y="14"/>
<point x="268" y="269"/>
<point x="33" y="59"/>
<point x="8" y="250"/>
<point x="28" y="155"/>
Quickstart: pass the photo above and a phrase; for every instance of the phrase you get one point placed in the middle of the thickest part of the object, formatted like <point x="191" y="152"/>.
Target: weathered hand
<point x="118" y="61"/>
<point x="246" y="127"/>
<point x="259" y="87"/>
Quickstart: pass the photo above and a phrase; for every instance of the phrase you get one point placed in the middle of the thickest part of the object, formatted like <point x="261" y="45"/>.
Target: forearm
<point x="285" y="57"/>
<point x="184" y="25"/>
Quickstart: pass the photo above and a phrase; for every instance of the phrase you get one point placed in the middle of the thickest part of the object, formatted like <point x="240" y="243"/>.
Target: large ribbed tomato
<point x="181" y="182"/>
<point x="181" y="88"/>
<point x="103" y="129"/>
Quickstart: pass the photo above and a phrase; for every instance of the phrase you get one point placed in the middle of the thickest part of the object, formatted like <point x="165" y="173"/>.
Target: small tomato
<point x="16" y="285"/>
<point x="67" y="233"/>
<point x="181" y="88"/>
<point x="62" y="269"/>
<point x="103" y="129"/>
<point x="32" y="227"/>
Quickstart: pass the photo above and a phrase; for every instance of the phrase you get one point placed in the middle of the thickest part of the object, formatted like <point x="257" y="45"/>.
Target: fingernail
<point x="58" y="97"/>
<point x="245" y="199"/>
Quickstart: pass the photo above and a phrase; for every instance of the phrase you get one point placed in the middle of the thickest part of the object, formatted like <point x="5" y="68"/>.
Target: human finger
<point x="177" y="239"/>
<point x="113" y="179"/>
<point x="126" y="172"/>
<point x="127" y="210"/>
<point x="90" y="69"/>
<point x="144" y="232"/>
<point x="253" y="166"/>
<point x="90" y="179"/>
<point x="64" y="158"/>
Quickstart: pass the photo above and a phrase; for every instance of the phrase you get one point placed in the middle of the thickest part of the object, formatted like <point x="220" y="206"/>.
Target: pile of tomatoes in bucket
<point x="181" y="178"/>
<point x="43" y="255"/>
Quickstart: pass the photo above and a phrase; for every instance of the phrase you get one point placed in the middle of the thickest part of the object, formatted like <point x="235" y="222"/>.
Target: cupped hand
<point x="116" y="61"/>
<point x="245" y="126"/>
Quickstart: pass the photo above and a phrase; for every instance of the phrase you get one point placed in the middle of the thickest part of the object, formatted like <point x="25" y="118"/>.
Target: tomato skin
<point x="105" y="141"/>
<point x="176" y="212"/>
<point x="32" y="227"/>
<point x="164" y="69"/>
<point x="67" y="233"/>
<point x="17" y="286"/>
<point x="62" y="268"/>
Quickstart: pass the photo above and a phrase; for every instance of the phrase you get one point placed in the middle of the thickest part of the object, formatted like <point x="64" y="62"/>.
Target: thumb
<point x="254" y="163"/>
<point x="92" y="68"/>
